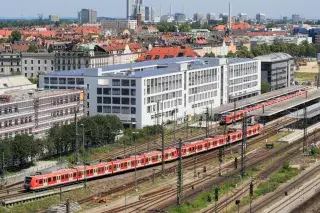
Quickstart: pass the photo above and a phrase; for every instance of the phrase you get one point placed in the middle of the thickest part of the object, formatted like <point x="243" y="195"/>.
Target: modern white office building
<point x="147" y="92"/>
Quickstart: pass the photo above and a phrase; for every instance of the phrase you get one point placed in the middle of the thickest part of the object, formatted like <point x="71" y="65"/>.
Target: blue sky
<point x="116" y="8"/>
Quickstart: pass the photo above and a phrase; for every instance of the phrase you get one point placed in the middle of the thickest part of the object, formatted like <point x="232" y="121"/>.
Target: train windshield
<point x="28" y="180"/>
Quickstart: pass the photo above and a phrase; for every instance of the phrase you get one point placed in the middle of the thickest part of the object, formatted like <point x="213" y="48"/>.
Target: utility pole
<point x="318" y="80"/>
<point x="77" y="145"/>
<point x="135" y="161"/>
<point x="180" y="176"/>
<point x="162" y="143"/>
<point x="158" y="111"/>
<point x="234" y="109"/>
<point x="304" y="129"/>
<point x="243" y="146"/>
<point x="207" y="123"/>
<point x="84" y="158"/>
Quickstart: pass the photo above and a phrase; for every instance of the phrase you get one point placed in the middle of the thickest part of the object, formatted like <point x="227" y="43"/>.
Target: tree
<point x="33" y="48"/>
<point x="166" y="27"/>
<point x="210" y="55"/>
<point x="185" y="27"/>
<point x="231" y="55"/>
<point x="15" y="36"/>
<point x="265" y="87"/>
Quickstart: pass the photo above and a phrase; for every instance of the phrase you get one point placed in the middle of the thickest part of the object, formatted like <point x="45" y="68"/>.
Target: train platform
<point x="256" y="99"/>
<point x="312" y="111"/>
<point x="296" y="102"/>
<point x="298" y="134"/>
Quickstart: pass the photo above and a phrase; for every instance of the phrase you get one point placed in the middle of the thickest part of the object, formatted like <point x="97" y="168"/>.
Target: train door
<point x="58" y="179"/>
<point x="45" y="181"/>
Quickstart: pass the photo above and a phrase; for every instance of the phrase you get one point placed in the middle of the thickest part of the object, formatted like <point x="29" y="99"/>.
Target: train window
<point x="149" y="159"/>
<point x="75" y="174"/>
<point x="167" y="155"/>
<point x="49" y="179"/>
<point x="142" y="161"/>
<point x="70" y="175"/>
<point x="40" y="181"/>
<point x="54" y="178"/>
<point x="79" y="173"/>
<point x="115" y="167"/>
<point x="125" y="164"/>
<point x="91" y="171"/>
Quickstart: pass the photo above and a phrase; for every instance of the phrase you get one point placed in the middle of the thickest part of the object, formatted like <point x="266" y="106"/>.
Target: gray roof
<point x="274" y="57"/>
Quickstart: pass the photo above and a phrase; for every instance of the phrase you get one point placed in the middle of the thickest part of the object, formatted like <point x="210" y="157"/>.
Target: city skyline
<point x="23" y="9"/>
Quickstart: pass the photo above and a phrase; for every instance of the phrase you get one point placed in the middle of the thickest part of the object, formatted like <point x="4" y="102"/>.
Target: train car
<point x="170" y="154"/>
<point x="152" y="158"/>
<point x="253" y="130"/>
<point x="235" y="136"/>
<point x="122" y="165"/>
<point x="201" y="146"/>
<point x="188" y="149"/>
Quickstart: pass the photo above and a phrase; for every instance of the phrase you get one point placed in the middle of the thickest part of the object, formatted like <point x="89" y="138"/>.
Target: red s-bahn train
<point x="73" y="175"/>
<point x="231" y="117"/>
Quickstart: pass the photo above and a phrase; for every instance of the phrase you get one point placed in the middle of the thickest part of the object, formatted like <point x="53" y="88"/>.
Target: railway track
<point x="189" y="162"/>
<point x="19" y="191"/>
<point x="192" y="193"/>
<point x="292" y="152"/>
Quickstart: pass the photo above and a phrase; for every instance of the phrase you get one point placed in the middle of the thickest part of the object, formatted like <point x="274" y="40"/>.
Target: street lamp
<point x="84" y="157"/>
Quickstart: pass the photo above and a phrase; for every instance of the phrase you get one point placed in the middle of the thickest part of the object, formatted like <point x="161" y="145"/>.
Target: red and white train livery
<point x="68" y="176"/>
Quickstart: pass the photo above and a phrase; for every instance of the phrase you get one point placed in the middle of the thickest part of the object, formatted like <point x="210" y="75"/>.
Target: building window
<point x="45" y="61"/>
<point x="133" y="92"/>
<point x="62" y="81"/>
<point x="80" y="81"/>
<point x="99" y="100"/>
<point x="115" y="82"/>
<point x="125" y="83"/>
<point x="71" y="81"/>
<point x="106" y="109"/>
<point x="38" y="68"/>
<point x="106" y="100"/>
<point x="133" y="83"/>
<point x="126" y="101"/>
<point x="32" y="68"/>
<point x="99" y="109"/>
<point x="46" y="80"/>
<point x="25" y="61"/>
<point x="133" y="110"/>
<point x="99" y="91"/>
<point x="107" y="91"/>
<point x="115" y="91"/>
<point x="2" y="70"/>
<point x="125" y="110"/>
<point x="53" y="81"/>
<point x="116" y="109"/>
<point x="133" y="101"/>
<point x="125" y="92"/>
<point x="116" y="100"/>
<point x="31" y="61"/>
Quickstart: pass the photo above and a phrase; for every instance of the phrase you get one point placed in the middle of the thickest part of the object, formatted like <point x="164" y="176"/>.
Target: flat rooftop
<point x="256" y="99"/>
<point x="288" y="104"/>
<point x="20" y="95"/>
<point x="150" y="68"/>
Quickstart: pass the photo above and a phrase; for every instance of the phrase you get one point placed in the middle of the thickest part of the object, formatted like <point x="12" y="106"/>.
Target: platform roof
<point x="256" y="99"/>
<point x="286" y="105"/>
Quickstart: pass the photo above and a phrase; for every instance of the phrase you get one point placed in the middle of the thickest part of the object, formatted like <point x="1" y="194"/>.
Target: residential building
<point x="211" y="16"/>
<point x="87" y="16"/>
<point x="119" y="24"/>
<point x="198" y="16"/>
<point x="158" y="53"/>
<point x="243" y="17"/>
<point x="296" y="18"/>
<point x="180" y="17"/>
<point x="145" y="93"/>
<point x="31" y="111"/>
<point x="54" y="18"/>
<point x="10" y="64"/>
<point x="261" y="17"/>
<point x="36" y="63"/>
<point x="277" y="69"/>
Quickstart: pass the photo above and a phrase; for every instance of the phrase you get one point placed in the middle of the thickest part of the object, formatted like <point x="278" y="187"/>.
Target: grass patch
<point x="281" y="176"/>
<point x="305" y="76"/>
<point x="203" y="199"/>
<point x="33" y="206"/>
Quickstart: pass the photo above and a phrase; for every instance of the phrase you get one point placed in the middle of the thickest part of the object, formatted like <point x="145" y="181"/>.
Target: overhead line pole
<point x="243" y="147"/>
<point x="180" y="176"/>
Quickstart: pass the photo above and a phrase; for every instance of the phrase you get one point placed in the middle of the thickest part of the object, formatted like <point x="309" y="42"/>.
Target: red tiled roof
<point x="20" y="48"/>
<point x="167" y="52"/>
<point x="251" y="34"/>
<point x="235" y="26"/>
